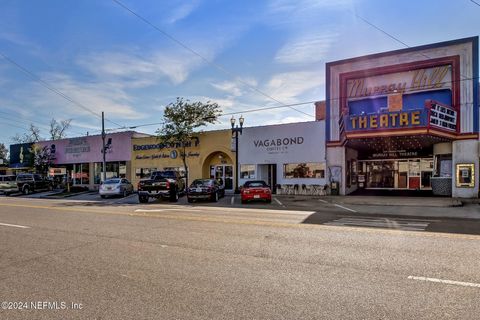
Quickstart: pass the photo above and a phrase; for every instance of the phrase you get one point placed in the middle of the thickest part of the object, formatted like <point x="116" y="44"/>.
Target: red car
<point x="256" y="190"/>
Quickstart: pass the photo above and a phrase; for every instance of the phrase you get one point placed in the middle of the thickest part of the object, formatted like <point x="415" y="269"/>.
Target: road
<point x="162" y="261"/>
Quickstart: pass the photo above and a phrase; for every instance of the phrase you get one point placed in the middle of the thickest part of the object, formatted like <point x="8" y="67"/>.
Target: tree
<point x="31" y="136"/>
<point x="181" y="118"/>
<point x="58" y="129"/>
<point x="42" y="158"/>
<point x="3" y="153"/>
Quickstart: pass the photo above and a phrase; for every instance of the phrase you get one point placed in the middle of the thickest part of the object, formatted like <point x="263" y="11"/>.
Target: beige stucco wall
<point x="214" y="147"/>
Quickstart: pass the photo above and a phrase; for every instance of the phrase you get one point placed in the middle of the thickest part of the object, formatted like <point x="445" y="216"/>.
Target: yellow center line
<point x="207" y="218"/>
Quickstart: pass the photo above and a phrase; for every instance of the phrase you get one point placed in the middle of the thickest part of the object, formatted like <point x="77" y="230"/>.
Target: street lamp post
<point x="236" y="130"/>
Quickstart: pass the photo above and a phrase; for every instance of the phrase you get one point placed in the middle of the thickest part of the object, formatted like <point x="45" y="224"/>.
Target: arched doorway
<point x="219" y="165"/>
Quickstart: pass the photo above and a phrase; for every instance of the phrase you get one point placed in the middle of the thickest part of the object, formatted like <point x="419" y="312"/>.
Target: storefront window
<point x="112" y="170"/>
<point x="304" y="170"/>
<point x="81" y="173"/>
<point x="247" y="171"/>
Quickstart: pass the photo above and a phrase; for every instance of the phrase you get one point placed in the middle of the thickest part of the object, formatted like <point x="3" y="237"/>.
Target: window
<point x="112" y="170"/>
<point x="247" y="171"/>
<point x="304" y="170"/>
<point x="81" y="173"/>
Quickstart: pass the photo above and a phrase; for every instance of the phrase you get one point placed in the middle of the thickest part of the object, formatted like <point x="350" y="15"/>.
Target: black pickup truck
<point x="165" y="184"/>
<point x="27" y="183"/>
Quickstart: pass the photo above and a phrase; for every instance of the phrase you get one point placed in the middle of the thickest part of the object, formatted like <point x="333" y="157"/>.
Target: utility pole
<point x="104" y="165"/>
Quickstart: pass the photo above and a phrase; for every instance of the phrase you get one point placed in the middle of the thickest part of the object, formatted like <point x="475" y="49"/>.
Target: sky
<point x="68" y="59"/>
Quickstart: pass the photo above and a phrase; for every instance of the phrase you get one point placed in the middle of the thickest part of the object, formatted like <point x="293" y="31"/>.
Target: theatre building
<point x="406" y="120"/>
<point x="208" y="153"/>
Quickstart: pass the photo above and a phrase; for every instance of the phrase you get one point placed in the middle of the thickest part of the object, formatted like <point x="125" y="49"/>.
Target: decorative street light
<point x="236" y="130"/>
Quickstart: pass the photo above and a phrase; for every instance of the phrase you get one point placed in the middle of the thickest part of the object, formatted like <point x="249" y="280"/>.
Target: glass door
<point x="223" y="173"/>
<point x="402" y="178"/>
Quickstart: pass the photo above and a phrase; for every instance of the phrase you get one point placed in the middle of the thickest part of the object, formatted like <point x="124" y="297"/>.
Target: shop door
<point x="402" y="174"/>
<point x="272" y="176"/>
<point x="225" y="173"/>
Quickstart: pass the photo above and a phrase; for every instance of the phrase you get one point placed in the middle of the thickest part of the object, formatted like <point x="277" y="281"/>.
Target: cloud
<point x="296" y="7"/>
<point x="306" y="49"/>
<point x="237" y="87"/>
<point x="287" y="86"/>
<point x="107" y="97"/>
<point x="182" y="11"/>
<point x="137" y="71"/>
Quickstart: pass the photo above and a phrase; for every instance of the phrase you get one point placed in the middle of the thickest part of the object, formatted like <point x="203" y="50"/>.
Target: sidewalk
<point x="377" y="200"/>
<point x="414" y="207"/>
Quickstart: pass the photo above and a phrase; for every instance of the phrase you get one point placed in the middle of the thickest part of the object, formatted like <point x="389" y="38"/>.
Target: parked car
<point x="256" y="190"/>
<point x="30" y="182"/>
<point x="165" y="184"/>
<point x="8" y="184"/>
<point x="205" y="189"/>
<point x="115" y="187"/>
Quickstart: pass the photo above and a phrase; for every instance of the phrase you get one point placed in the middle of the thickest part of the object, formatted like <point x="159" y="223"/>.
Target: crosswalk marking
<point x="390" y="223"/>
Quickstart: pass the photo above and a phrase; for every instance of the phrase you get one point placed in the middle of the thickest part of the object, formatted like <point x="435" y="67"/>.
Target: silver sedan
<point x="115" y="187"/>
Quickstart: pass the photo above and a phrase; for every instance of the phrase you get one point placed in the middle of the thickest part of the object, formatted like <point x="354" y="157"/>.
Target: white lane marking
<point x="337" y="205"/>
<point x="278" y="201"/>
<point x="232" y="200"/>
<point x="321" y="200"/>
<point x="14" y="225"/>
<point x="457" y="283"/>
<point x="162" y="210"/>
<point x="401" y="224"/>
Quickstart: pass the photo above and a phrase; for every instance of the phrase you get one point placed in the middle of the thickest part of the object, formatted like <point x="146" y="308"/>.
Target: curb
<point x="54" y="196"/>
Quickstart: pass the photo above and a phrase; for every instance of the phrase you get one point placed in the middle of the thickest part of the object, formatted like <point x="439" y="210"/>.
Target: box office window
<point x="304" y="170"/>
<point x="247" y="171"/>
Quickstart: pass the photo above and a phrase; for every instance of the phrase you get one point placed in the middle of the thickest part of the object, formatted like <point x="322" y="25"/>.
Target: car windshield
<point x="255" y="184"/>
<point x="112" y="181"/>
<point x="201" y="182"/>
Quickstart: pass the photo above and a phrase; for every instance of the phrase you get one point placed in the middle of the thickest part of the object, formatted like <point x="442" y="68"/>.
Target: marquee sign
<point x="386" y="120"/>
<point x="435" y="78"/>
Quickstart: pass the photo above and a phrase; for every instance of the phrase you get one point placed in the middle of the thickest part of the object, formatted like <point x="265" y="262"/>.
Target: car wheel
<point x="174" y="196"/>
<point x="125" y="193"/>
<point x="26" y="190"/>
<point x="244" y="201"/>
<point x="215" y="197"/>
<point x="190" y="200"/>
<point x="269" y="200"/>
<point x="103" y="197"/>
<point x="142" y="199"/>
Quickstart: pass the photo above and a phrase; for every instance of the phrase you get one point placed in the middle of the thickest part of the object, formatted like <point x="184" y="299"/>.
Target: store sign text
<point x="279" y="144"/>
<point x="77" y="146"/>
<point x="410" y="81"/>
<point x="388" y="120"/>
<point x="141" y="147"/>
<point x="164" y="156"/>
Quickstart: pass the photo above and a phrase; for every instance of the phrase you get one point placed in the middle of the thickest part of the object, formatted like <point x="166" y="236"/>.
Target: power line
<point x="11" y="117"/>
<point x="410" y="90"/>
<point x="46" y="85"/>
<point x="478" y="4"/>
<point x="217" y="66"/>
<point x="395" y="38"/>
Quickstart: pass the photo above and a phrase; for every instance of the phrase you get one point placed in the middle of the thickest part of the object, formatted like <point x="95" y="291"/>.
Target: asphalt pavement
<point x="103" y="260"/>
